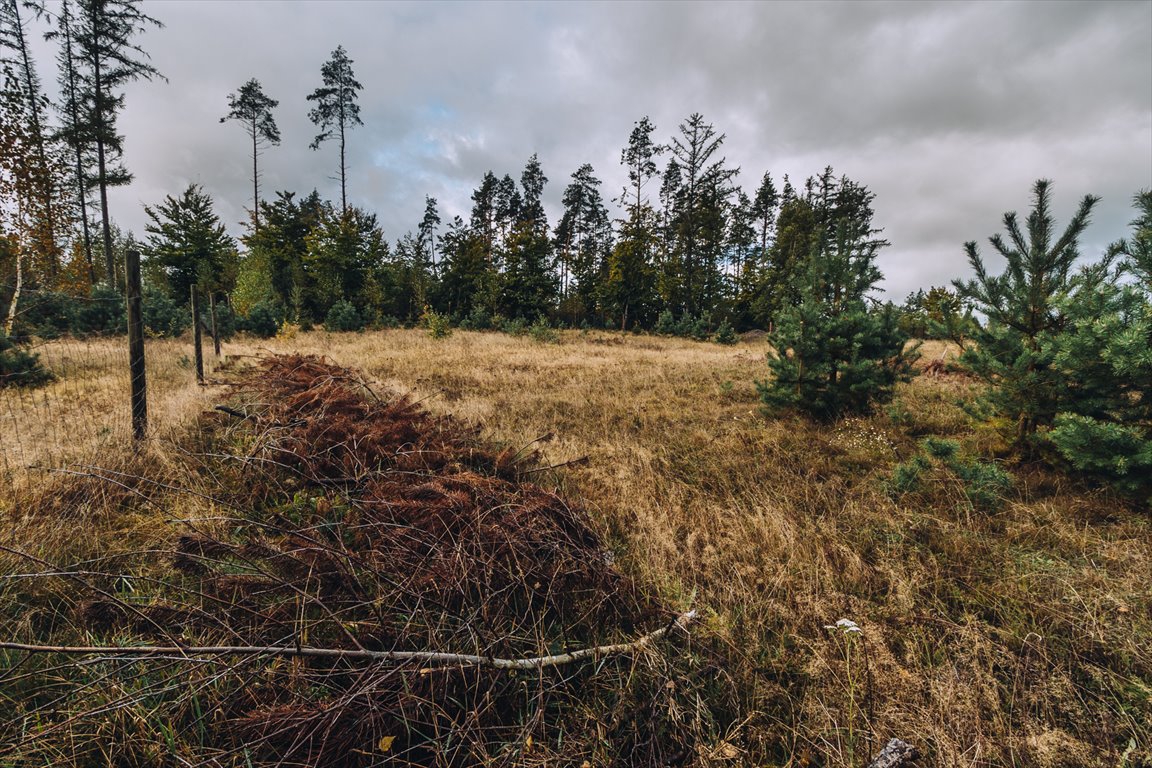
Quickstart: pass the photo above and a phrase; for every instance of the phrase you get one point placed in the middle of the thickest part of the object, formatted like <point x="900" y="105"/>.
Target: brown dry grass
<point x="83" y="416"/>
<point x="1020" y="638"/>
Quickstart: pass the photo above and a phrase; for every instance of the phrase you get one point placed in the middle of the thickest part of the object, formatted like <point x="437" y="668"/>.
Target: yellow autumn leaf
<point x="385" y="743"/>
<point x="528" y="743"/>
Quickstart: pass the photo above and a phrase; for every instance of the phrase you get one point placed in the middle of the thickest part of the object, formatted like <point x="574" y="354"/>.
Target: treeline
<point x="700" y="254"/>
<point x="692" y="253"/>
<point x="689" y="250"/>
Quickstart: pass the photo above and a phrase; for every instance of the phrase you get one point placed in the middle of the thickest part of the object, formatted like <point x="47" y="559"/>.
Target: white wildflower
<point x="847" y="626"/>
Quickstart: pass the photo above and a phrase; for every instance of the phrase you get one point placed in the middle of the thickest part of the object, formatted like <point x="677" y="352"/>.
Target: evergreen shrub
<point x="343" y="317"/>
<point x="162" y="316"/>
<point x="984" y="485"/>
<point x="542" y="332"/>
<point x="666" y="324"/>
<point x="264" y="319"/>
<point x="19" y="367"/>
<point x="102" y="313"/>
<point x="725" y="334"/>
<point x="836" y="353"/>
<point x="439" y="325"/>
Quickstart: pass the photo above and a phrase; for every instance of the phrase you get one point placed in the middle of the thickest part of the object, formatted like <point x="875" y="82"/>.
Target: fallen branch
<point x="432" y="657"/>
<point x="232" y="411"/>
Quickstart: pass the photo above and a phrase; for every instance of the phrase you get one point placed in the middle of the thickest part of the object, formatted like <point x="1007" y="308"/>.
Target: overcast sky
<point x="947" y="111"/>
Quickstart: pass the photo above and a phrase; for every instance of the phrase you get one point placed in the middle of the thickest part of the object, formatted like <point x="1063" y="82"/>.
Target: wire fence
<point x="83" y="415"/>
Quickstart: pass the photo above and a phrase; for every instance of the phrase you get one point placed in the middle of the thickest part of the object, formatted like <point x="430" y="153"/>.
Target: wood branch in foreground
<point x="427" y="657"/>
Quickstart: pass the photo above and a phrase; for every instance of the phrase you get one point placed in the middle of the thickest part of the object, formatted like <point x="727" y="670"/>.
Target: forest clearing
<point x="602" y="385"/>
<point x="985" y="625"/>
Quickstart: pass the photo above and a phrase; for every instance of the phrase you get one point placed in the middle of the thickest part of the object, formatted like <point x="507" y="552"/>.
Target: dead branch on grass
<point x="428" y="657"/>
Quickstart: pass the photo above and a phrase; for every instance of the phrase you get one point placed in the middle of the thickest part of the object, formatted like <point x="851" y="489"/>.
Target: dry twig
<point x="434" y="657"/>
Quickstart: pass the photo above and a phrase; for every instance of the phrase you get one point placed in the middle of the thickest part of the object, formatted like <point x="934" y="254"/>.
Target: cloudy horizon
<point x="948" y="112"/>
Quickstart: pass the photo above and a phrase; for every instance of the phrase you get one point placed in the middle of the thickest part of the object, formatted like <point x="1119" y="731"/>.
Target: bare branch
<point x="432" y="657"/>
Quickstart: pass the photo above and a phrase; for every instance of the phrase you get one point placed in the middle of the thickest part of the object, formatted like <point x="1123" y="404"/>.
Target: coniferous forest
<point x="680" y="250"/>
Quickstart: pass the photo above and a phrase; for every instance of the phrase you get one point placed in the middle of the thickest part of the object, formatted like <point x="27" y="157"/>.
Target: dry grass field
<point x="1015" y="637"/>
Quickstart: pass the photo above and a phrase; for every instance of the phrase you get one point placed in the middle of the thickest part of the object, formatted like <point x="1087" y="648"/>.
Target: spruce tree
<point x="76" y="132"/>
<point x="532" y="181"/>
<point x="14" y="52"/>
<point x="779" y="278"/>
<point x="834" y="352"/>
<point x="506" y="204"/>
<point x="345" y="251"/>
<point x="528" y="284"/>
<point x="426" y="235"/>
<point x="187" y="246"/>
<point x="583" y="238"/>
<point x="742" y="259"/>
<point x="697" y="214"/>
<point x="484" y="206"/>
<point x="336" y="109"/>
<point x="467" y="280"/>
<point x="629" y="288"/>
<point x="639" y="157"/>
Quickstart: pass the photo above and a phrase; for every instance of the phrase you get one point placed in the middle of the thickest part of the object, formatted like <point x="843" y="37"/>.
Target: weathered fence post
<point x="196" y="339"/>
<point x="136" y="345"/>
<point x="215" y="333"/>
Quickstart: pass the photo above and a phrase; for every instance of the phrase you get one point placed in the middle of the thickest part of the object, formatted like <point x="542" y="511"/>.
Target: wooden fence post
<point x="215" y="332"/>
<point x="196" y="339"/>
<point x="136" y="345"/>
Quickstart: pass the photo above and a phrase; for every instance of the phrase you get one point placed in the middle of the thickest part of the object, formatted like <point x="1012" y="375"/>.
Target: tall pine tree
<point x="107" y="60"/>
<point x="252" y="108"/>
<point x="426" y="235"/>
<point x="528" y="286"/>
<point x="699" y="191"/>
<point x="336" y="109"/>
<point x="629" y="288"/>
<point x="76" y="131"/>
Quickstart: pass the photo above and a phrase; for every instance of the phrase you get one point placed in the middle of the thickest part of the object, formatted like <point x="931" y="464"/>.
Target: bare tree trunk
<point x="196" y="338"/>
<point x="83" y="194"/>
<point x="255" y="182"/>
<point x="215" y="332"/>
<point x="343" y="187"/>
<point x="10" y="321"/>
<point x="81" y="182"/>
<point x="109" y="266"/>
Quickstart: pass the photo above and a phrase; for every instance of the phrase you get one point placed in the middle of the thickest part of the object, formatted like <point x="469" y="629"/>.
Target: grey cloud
<point x="948" y="111"/>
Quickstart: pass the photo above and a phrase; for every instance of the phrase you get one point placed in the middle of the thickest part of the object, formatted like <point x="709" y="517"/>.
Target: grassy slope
<point x="1018" y="638"/>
